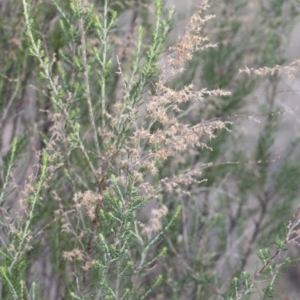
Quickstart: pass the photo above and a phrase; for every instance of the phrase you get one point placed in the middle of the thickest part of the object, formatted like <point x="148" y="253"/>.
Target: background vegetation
<point x="148" y="152"/>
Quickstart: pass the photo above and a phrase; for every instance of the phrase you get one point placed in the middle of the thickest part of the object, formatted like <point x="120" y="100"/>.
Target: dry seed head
<point x="191" y="41"/>
<point x="155" y="223"/>
<point x="289" y="70"/>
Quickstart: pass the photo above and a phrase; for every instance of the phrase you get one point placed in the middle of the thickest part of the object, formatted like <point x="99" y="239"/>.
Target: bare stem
<point x="87" y="87"/>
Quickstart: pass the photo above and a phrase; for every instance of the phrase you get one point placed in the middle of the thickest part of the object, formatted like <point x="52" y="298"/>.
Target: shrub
<point x="115" y="184"/>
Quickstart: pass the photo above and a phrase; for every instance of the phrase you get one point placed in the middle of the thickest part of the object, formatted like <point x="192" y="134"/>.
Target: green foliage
<point x="12" y="276"/>
<point x="126" y="172"/>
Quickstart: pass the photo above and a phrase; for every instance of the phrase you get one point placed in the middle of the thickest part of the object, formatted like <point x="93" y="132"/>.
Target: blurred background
<point x="253" y="172"/>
